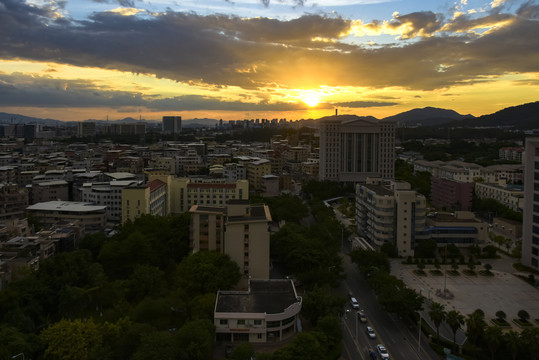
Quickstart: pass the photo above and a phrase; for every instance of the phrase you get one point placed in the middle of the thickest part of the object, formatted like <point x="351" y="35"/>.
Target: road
<point x="400" y="341"/>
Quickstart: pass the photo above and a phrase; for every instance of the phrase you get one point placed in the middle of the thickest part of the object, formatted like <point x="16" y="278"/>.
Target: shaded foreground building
<point x="268" y="311"/>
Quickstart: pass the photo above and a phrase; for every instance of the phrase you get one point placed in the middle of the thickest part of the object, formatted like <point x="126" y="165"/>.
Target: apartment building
<point x="267" y="312"/>
<point x="530" y="227"/>
<point x="256" y="170"/>
<point x="108" y="194"/>
<point x="238" y="229"/>
<point x="172" y="124"/>
<point x="49" y="191"/>
<point x="186" y="192"/>
<point x="389" y="212"/>
<point x="13" y="201"/>
<point x="354" y="148"/>
<point x="510" y="195"/>
<point x="511" y="153"/>
<point x="86" y="129"/>
<point x="150" y="198"/>
<point x="451" y="194"/>
<point x="233" y="172"/>
<point x="92" y="218"/>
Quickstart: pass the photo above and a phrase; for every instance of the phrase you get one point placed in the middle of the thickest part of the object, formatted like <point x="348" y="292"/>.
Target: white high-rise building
<point x="353" y="148"/>
<point x="530" y="227"/>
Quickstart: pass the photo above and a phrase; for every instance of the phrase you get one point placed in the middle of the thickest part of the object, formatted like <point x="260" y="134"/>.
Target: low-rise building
<point x="92" y="218"/>
<point x="511" y="196"/>
<point x="267" y="312"/>
<point x="150" y="198"/>
<point x="460" y="228"/>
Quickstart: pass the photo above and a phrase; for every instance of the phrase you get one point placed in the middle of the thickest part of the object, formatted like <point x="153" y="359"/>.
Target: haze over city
<point x="78" y="60"/>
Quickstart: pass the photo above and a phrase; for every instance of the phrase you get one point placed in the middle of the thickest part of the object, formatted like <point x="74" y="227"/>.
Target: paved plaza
<point x="503" y="291"/>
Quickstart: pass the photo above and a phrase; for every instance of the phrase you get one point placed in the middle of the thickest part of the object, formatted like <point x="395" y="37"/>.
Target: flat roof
<point x="379" y="190"/>
<point x="66" y="206"/>
<point x="264" y="296"/>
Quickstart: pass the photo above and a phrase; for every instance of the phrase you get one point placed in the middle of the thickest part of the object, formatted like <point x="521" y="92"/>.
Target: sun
<point x="311" y="98"/>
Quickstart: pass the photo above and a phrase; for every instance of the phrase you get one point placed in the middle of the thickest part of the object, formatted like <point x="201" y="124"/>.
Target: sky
<point x="75" y="60"/>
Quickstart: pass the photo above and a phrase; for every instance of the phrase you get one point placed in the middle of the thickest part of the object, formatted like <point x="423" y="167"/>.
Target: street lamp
<point x="14" y="356"/>
<point x="419" y="336"/>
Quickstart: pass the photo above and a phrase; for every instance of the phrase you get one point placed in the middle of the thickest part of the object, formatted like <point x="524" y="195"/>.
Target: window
<point x="241" y="322"/>
<point x="223" y="322"/>
<point x="258" y="322"/>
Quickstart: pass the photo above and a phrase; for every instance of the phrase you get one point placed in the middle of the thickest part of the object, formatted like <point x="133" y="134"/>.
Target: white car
<point x="362" y="317"/>
<point x="371" y="333"/>
<point x="354" y="303"/>
<point x="382" y="351"/>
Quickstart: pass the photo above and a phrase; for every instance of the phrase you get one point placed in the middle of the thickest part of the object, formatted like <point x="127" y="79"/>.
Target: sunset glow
<point x="243" y="59"/>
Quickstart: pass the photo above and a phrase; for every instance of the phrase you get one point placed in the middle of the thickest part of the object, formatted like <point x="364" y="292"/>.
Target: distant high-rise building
<point x="86" y="128"/>
<point x="530" y="227"/>
<point x="172" y="124"/>
<point x="354" y="148"/>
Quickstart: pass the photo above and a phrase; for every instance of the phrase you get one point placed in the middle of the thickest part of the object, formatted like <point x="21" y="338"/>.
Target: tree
<point x="437" y="314"/>
<point x="487" y="267"/>
<point x="243" y="351"/>
<point x="426" y="248"/>
<point x="157" y="345"/>
<point x="195" y="340"/>
<point x="71" y="339"/>
<point x="501" y="316"/>
<point x="513" y="341"/>
<point x="319" y="302"/>
<point x="475" y="326"/>
<point x="369" y="259"/>
<point x="493" y="337"/>
<point x="455" y="320"/>
<point x="523" y="316"/>
<point x="530" y="340"/>
<point x="206" y="272"/>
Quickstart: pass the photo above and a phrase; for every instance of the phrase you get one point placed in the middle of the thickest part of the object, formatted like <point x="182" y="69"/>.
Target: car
<point x="371" y="333"/>
<point x="382" y="351"/>
<point x="372" y="354"/>
<point x="361" y="316"/>
<point x="354" y="303"/>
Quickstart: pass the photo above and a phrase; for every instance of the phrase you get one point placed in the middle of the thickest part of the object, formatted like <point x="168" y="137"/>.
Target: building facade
<point x="389" y="212"/>
<point x="530" y="226"/>
<point x="237" y="229"/>
<point x="354" y="148"/>
<point x="92" y="218"/>
<point x="150" y="198"/>
<point x="267" y="312"/>
<point x="172" y="124"/>
<point x="451" y="194"/>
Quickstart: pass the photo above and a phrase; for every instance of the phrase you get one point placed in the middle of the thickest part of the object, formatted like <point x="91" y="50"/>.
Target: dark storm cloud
<point x="221" y="50"/>
<point x="25" y="90"/>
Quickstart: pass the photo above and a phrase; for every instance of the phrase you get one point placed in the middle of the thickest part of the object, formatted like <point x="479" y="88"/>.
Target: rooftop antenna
<point x="335" y="112"/>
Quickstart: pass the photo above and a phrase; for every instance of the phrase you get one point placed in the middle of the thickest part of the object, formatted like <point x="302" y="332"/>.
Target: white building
<point x="108" y="194"/>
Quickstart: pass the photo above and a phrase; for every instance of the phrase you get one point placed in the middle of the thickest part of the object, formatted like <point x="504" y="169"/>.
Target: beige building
<point x="256" y="170"/>
<point x="150" y="198"/>
<point x="237" y="229"/>
<point x="49" y="191"/>
<point x="389" y="212"/>
<point x="511" y="196"/>
<point x="354" y="148"/>
<point x="267" y="312"/>
<point x="92" y="218"/>
<point x="460" y="228"/>
<point x="186" y="192"/>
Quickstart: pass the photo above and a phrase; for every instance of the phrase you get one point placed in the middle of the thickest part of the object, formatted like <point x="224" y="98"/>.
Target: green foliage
<point x="195" y="340"/>
<point x="437" y="314"/>
<point x="286" y="207"/>
<point x="319" y="302"/>
<point x="157" y="345"/>
<point x="489" y="205"/>
<point x="206" y="272"/>
<point x="390" y="250"/>
<point x="523" y="316"/>
<point x="475" y="326"/>
<point x="425" y="248"/>
<point x="394" y="296"/>
<point x="455" y="320"/>
<point x="71" y="339"/>
<point x="326" y="189"/>
<point x="419" y="181"/>
<point x="370" y="261"/>
<point x="243" y="351"/>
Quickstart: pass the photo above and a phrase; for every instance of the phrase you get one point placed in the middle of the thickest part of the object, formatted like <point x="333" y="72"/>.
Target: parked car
<point x="372" y="354"/>
<point x="371" y="333"/>
<point x="382" y="351"/>
<point x="354" y="303"/>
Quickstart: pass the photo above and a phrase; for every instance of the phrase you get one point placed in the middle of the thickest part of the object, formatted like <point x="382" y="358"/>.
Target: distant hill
<point x="6" y="118"/>
<point x="428" y="116"/>
<point x="522" y="117"/>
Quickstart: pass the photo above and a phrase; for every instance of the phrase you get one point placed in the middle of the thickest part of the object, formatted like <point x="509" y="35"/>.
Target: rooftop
<point x="264" y="296"/>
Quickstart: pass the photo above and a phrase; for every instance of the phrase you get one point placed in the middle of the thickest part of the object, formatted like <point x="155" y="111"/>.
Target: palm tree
<point x="455" y="320"/>
<point x="437" y="315"/>
<point x="530" y="340"/>
<point x="493" y="337"/>
<point x="475" y="326"/>
<point x="513" y="342"/>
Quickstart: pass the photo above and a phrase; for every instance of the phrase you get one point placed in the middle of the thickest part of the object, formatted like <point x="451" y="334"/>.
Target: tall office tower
<point x="530" y="227"/>
<point x="353" y="148"/>
<point x="172" y="124"/>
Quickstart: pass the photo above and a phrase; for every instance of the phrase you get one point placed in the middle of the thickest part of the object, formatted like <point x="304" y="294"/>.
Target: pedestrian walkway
<point x="503" y="291"/>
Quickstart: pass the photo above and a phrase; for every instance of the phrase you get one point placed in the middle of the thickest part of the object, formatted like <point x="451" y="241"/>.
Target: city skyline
<point x="98" y="59"/>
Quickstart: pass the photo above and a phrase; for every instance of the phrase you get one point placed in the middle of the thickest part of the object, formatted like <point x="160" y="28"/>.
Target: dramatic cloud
<point x="261" y="53"/>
